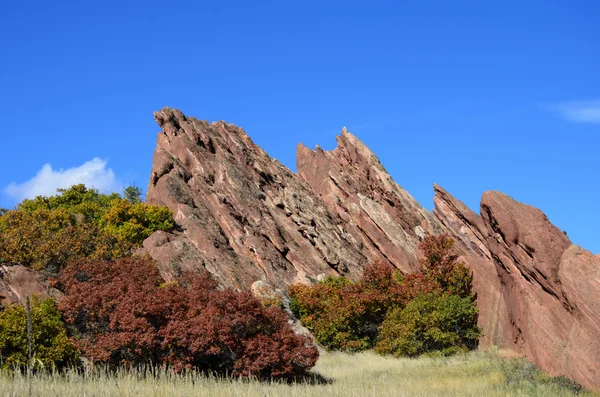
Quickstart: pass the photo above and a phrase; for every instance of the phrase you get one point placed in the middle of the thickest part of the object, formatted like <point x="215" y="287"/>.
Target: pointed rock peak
<point x="438" y="189"/>
<point x="167" y="114"/>
<point x="496" y="195"/>
<point x="302" y="147"/>
<point x="304" y="152"/>
<point x="354" y="149"/>
<point x="169" y="120"/>
<point x="441" y="194"/>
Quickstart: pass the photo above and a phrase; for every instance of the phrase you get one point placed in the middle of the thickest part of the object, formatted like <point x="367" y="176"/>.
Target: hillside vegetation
<point x="117" y="311"/>
<point x="46" y="233"/>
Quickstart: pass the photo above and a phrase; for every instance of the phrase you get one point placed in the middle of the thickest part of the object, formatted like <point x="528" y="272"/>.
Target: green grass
<point x="366" y="374"/>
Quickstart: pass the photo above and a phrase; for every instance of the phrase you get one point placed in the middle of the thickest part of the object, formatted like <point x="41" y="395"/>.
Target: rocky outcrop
<point x="386" y="220"/>
<point x="538" y="294"/>
<point x="18" y="282"/>
<point x="241" y="214"/>
<point x="245" y="217"/>
<point x="551" y="289"/>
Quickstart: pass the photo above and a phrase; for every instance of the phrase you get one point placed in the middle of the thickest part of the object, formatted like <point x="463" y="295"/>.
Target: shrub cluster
<point x="77" y="223"/>
<point x="117" y="309"/>
<point x="121" y="312"/>
<point x="50" y="344"/>
<point x="432" y="310"/>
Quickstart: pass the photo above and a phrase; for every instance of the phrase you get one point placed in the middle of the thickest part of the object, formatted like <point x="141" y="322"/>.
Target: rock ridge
<point x="245" y="217"/>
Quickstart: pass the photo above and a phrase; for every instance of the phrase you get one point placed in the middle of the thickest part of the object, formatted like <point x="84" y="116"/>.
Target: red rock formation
<point x="241" y="214"/>
<point x="245" y="217"/>
<point x="351" y="181"/>
<point x="469" y="232"/>
<point x="537" y="293"/>
<point x="18" y="282"/>
<point x="551" y="289"/>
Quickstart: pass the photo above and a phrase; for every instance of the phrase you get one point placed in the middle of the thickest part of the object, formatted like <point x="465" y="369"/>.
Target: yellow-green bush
<point x="441" y="323"/>
<point x="134" y="222"/>
<point x="78" y="223"/>
<point x="51" y="346"/>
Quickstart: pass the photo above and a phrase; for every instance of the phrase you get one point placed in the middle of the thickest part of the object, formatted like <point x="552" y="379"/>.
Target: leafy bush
<point x="134" y="222"/>
<point x="50" y="345"/>
<point x="345" y="315"/>
<point x="46" y="232"/>
<point x="121" y="312"/>
<point x="46" y="239"/>
<point x="88" y="204"/>
<point x="518" y="372"/>
<point x="440" y="266"/>
<point x="430" y="323"/>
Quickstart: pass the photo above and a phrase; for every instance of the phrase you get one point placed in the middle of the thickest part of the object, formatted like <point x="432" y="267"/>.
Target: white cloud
<point x="93" y="173"/>
<point x="579" y="111"/>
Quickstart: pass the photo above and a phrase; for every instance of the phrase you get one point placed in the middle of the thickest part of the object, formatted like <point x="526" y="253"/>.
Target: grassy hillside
<point x="362" y="374"/>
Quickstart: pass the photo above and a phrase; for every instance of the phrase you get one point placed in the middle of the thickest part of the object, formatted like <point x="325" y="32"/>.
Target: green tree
<point x="77" y="223"/>
<point x="446" y="324"/>
<point x="133" y="194"/>
<point x="88" y="204"/>
<point x="440" y="266"/>
<point x="51" y="346"/>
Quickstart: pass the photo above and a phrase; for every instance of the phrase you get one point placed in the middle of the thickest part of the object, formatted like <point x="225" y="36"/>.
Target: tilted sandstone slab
<point x="385" y="218"/>
<point x="537" y="293"/>
<point x="241" y="214"/>
<point x="551" y="289"/>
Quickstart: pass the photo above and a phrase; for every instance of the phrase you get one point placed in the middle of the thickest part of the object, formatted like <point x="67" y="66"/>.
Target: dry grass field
<point x="366" y="374"/>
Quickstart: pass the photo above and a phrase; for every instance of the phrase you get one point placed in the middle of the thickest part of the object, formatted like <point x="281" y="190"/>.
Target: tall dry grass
<point x="366" y="374"/>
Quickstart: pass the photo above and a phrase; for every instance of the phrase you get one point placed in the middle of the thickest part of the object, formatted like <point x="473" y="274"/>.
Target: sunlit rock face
<point x="241" y="214"/>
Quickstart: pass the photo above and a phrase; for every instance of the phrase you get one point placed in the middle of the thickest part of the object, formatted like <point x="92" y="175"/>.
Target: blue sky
<point x="470" y="95"/>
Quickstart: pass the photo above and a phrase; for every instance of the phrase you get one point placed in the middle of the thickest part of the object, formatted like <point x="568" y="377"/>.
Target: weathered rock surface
<point x="18" y="282"/>
<point x="537" y="293"/>
<point x="265" y="292"/>
<point x="241" y="214"/>
<point x="245" y="217"/>
<point x="386" y="220"/>
<point x="551" y="289"/>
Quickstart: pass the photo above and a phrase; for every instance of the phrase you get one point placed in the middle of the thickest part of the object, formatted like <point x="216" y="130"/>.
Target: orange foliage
<point x="345" y="315"/>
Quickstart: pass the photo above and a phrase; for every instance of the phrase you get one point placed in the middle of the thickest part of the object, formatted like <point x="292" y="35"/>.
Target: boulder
<point x="18" y="282"/>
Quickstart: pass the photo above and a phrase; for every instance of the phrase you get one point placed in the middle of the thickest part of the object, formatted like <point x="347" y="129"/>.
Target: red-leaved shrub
<point x="121" y="312"/>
